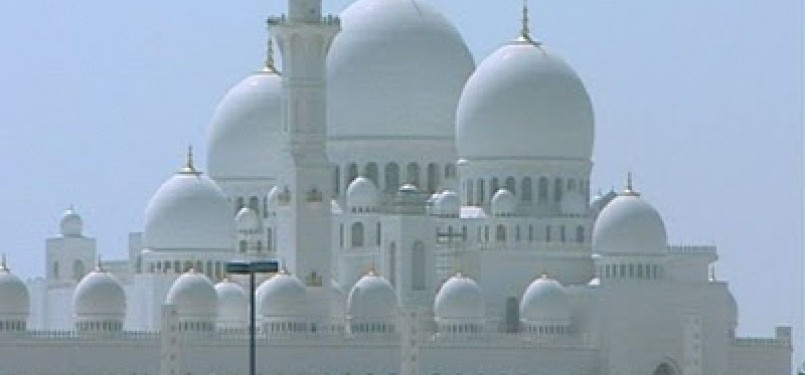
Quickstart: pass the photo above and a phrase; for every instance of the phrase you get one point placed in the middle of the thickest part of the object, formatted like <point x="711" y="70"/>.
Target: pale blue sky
<point x="701" y="99"/>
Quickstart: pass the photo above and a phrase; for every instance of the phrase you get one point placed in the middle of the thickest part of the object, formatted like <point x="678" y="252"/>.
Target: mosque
<point x="428" y="216"/>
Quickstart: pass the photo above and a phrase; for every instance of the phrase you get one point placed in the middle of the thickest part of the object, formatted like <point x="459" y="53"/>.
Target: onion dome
<point x="245" y="132"/>
<point x="545" y="303"/>
<point x="629" y="225"/>
<point x="247" y="220"/>
<point x="503" y="203"/>
<point x="374" y="89"/>
<point x="459" y="299"/>
<point x="194" y="297"/>
<point x="524" y="102"/>
<point x="282" y="296"/>
<point x="362" y="195"/>
<point x="99" y="298"/>
<point x="233" y="303"/>
<point x="71" y="224"/>
<point x="16" y="303"/>
<point x="447" y="204"/>
<point x="372" y="299"/>
<point x="188" y="212"/>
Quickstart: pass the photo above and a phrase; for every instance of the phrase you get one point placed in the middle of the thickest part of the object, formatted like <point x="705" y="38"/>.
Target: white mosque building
<point x="429" y="216"/>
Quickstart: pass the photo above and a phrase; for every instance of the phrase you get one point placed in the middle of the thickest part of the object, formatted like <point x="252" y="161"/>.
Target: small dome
<point x="194" y="296"/>
<point x="362" y="193"/>
<point x="283" y="295"/>
<point x="233" y="302"/>
<point x="188" y="212"/>
<point x="71" y="224"/>
<point x="524" y="102"/>
<point x="372" y="298"/>
<point x="99" y="296"/>
<point x="503" y="203"/>
<point x="459" y="298"/>
<point x="244" y="134"/>
<point x="629" y="225"/>
<point x="546" y="302"/>
<point x="247" y="220"/>
<point x="447" y="204"/>
<point x="396" y="69"/>
<point x="16" y="303"/>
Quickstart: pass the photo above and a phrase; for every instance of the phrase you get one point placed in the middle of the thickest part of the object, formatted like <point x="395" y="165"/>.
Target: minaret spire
<point x="269" y="66"/>
<point x="629" y="190"/>
<point x="525" y="32"/>
<point x="189" y="168"/>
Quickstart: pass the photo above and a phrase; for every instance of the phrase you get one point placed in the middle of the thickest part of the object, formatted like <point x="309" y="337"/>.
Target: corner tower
<point x="304" y="37"/>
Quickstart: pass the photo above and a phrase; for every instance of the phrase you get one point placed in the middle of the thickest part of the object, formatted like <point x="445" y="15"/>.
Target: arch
<point x="547" y="233"/>
<point x="500" y="233"/>
<point x="372" y="173"/>
<point x="357" y="234"/>
<point x="56" y="269"/>
<point x="579" y="234"/>
<point x="352" y="174"/>
<point x="242" y="246"/>
<point x="78" y="270"/>
<point x="480" y="192"/>
<point x="433" y="178"/>
<point x="664" y="369"/>
<point x="239" y="203"/>
<point x="542" y="193"/>
<point x="512" y="315"/>
<point x="511" y="185"/>
<point x="341" y="235"/>
<point x="418" y="266"/>
<point x="449" y="171"/>
<point x="269" y="239"/>
<point x="412" y="174"/>
<point x="493" y="187"/>
<point x="392" y="175"/>
<point x="336" y="180"/>
<point x="571" y="184"/>
<point x="254" y="203"/>
<point x="557" y="190"/>
<point x="470" y="192"/>
<point x="525" y="189"/>
<point x="378" y="234"/>
<point x="392" y="262"/>
<point x="562" y="233"/>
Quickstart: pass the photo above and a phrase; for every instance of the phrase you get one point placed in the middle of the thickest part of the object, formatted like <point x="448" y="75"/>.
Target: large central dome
<point x="395" y="70"/>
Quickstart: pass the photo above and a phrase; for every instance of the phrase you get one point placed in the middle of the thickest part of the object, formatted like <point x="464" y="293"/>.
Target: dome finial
<point x="525" y="33"/>
<point x="3" y="266"/>
<point x="629" y="190"/>
<point x="269" y="63"/>
<point x="98" y="266"/>
<point x="189" y="168"/>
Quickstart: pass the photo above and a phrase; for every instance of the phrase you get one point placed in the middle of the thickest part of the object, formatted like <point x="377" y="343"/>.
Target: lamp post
<point x="251" y="268"/>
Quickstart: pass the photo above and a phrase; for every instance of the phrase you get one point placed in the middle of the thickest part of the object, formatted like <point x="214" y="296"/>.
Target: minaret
<point x="304" y="37"/>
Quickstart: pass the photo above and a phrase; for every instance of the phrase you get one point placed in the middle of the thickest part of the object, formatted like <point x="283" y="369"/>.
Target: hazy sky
<point x="701" y="99"/>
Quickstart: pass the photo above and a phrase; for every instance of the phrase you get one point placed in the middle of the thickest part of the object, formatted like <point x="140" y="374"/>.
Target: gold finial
<point x="629" y="190"/>
<point x="188" y="166"/>
<point x="269" y="63"/>
<point x="525" y="33"/>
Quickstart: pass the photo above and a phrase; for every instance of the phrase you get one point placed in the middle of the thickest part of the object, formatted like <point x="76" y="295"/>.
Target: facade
<point x="430" y="217"/>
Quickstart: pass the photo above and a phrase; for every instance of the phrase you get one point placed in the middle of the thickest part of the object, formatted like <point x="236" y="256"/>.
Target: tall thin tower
<point x="304" y="239"/>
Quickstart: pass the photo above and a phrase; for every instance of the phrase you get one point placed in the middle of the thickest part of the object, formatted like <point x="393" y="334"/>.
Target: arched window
<point x="470" y="192"/>
<point x="433" y="178"/>
<point x="56" y="269"/>
<point x="341" y="236"/>
<point x="493" y="187"/>
<point x="543" y="190"/>
<point x="500" y="233"/>
<point x="579" y="234"/>
<point x="269" y="239"/>
<point x="78" y="270"/>
<point x="254" y="204"/>
<point x="259" y="246"/>
<point x="557" y="190"/>
<point x="480" y="192"/>
<point x="547" y="233"/>
<point x="571" y="184"/>
<point x="530" y="233"/>
<point x="352" y="174"/>
<point x="357" y="234"/>
<point x="337" y="180"/>
<point x="562" y="234"/>
<point x="517" y="233"/>
<point x="242" y="246"/>
<point x="418" y="266"/>
<point x="392" y="261"/>
<point x="378" y="234"/>
<point x="412" y="174"/>
<point x="372" y="173"/>
<point x="512" y="315"/>
<point x="510" y="185"/>
<point x="449" y="171"/>
<point x="525" y="189"/>
<point x="239" y="204"/>
<point x="392" y="174"/>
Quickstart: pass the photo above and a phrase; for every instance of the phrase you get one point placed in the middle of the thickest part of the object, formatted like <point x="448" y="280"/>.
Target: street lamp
<point x="251" y="268"/>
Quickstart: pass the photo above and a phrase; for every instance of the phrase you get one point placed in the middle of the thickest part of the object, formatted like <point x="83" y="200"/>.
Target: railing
<point x="692" y="249"/>
<point x="762" y="342"/>
<point x="283" y="20"/>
